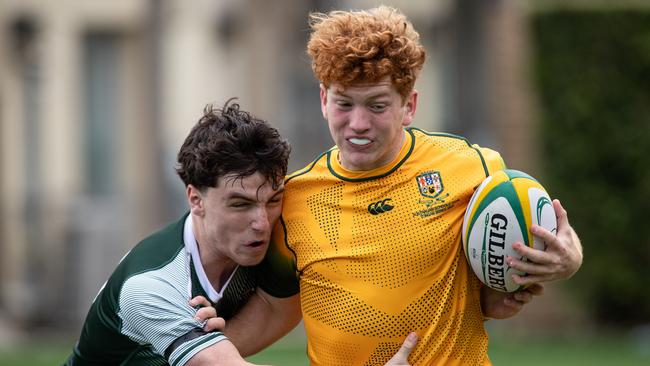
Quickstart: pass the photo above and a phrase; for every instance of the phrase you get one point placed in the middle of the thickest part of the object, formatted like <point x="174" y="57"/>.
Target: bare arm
<point x="209" y="315"/>
<point x="222" y="353"/>
<point x="262" y="321"/>
<point x="501" y="305"/>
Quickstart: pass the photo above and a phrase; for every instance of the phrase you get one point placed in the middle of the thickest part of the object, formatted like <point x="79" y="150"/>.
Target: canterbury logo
<point x="380" y="207"/>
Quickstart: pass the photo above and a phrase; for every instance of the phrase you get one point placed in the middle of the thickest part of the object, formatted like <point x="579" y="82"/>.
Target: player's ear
<point x="410" y="105"/>
<point x="195" y="200"/>
<point x="323" y="100"/>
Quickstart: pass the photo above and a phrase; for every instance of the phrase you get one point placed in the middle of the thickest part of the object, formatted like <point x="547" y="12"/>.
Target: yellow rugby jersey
<point x="379" y="254"/>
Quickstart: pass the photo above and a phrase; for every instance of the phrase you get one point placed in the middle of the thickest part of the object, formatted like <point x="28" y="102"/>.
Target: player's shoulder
<point x="162" y="249"/>
<point x="457" y="146"/>
<point x="166" y="240"/>
<point x="156" y="250"/>
<point x="163" y="291"/>
<point x="315" y="167"/>
<point x="153" y="285"/>
<point x="450" y="140"/>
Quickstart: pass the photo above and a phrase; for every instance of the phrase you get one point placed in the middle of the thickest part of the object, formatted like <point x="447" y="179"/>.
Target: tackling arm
<point x="252" y="338"/>
<point x="263" y="320"/>
<point x="222" y="353"/>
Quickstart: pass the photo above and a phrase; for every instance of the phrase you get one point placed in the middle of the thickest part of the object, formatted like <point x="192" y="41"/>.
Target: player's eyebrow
<point x="240" y="195"/>
<point x="248" y="197"/>
<point x="380" y="94"/>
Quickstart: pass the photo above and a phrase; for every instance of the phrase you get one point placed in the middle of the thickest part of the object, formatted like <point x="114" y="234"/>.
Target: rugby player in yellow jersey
<point x="373" y="226"/>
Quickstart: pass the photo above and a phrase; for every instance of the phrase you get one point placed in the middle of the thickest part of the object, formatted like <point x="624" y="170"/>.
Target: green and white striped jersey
<point x="143" y="307"/>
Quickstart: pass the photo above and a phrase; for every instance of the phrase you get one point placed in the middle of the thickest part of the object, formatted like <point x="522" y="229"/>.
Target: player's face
<point x="233" y="221"/>
<point x="367" y="122"/>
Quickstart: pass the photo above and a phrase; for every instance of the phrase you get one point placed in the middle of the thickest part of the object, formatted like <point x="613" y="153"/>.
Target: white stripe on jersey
<point x="154" y="309"/>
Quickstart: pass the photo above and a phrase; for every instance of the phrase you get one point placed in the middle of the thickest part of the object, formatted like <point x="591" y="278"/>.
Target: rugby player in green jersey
<point x="233" y="166"/>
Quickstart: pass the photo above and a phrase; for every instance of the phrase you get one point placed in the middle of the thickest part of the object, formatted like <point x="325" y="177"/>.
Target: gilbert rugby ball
<point x="500" y="213"/>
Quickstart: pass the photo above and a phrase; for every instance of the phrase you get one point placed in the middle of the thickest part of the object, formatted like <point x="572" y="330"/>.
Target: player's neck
<point x="217" y="268"/>
<point x="218" y="274"/>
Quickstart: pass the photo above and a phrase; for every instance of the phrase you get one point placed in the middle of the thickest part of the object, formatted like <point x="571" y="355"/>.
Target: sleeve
<point x="492" y="160"/>
<point x="154" y="312"/>
<point x="277" y="273"/>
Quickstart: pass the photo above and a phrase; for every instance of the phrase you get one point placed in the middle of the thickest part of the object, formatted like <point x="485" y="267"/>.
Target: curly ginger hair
<point x="353" y="47"/>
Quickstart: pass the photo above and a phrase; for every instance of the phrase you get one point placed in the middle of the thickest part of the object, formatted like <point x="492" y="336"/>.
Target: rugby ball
<point x="500" y="213"/>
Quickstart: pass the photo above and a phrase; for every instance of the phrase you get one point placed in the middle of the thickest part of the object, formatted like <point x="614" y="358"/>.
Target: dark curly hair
<point x="230" y="141"/>
<point x="349" y="47"/>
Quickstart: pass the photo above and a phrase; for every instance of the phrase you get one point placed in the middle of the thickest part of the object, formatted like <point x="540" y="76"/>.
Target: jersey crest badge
<point x="430" y="184"/>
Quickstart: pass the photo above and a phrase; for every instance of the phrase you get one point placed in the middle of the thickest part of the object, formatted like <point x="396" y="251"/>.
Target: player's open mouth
<point x="256" y="244"/>
<point x="359" y="141"/>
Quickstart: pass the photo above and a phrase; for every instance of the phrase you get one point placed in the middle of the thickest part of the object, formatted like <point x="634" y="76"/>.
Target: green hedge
<point x="592" y="71"/>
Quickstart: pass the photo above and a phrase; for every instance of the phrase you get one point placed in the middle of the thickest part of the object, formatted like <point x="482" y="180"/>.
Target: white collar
<point x="192" y="247"/>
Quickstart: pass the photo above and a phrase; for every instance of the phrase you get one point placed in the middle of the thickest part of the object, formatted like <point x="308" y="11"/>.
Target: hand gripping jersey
<point x="379" y="254"/>
<point x="142" y="316"/>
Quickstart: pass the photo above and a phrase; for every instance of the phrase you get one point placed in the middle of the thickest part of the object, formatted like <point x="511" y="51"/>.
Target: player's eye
<point x="344" y="104"/>
<point x="378" y="107"/>
<point x="239" y="204"/>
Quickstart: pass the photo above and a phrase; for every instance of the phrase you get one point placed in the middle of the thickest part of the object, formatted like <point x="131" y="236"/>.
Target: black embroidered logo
<point x="380" y="207"/>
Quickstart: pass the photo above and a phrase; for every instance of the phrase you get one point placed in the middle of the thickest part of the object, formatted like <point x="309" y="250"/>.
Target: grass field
<point x="593" y="351"/>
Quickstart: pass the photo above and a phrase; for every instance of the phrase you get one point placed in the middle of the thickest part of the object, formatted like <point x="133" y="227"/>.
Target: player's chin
<point x="248" y="261"/>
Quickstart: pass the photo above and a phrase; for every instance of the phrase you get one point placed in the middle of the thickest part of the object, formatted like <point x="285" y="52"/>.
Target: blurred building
<point x="97" y="96"/>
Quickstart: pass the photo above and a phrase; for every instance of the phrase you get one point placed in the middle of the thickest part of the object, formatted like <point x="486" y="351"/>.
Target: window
<point x="101" y="80"/>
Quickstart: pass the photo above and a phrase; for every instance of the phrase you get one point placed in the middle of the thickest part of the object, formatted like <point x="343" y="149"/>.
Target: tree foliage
<point x="592" y="71"/>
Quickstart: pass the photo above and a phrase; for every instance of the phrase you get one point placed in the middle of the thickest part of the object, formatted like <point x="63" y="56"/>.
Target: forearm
<point x="222" y="353"/>
<point x="489" y="298"/>
<point x="262" y="321"/>
<point x="578" y="245"/>
<point x="502" y="305"/>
